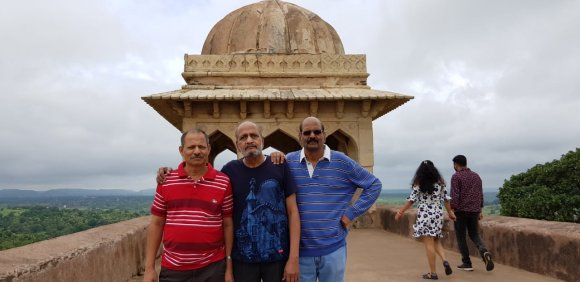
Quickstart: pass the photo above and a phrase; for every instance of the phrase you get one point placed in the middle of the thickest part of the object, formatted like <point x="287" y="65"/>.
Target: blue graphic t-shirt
<point x="261" y="231"/>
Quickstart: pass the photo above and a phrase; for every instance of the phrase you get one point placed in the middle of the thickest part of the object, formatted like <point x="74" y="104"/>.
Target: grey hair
<point x="195" y="130"/>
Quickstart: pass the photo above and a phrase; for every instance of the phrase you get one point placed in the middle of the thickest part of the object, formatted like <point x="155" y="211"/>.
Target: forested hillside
<point x="25" y="221"/>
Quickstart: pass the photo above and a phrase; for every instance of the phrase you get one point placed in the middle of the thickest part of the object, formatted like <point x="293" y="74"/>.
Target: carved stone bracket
<point x="290" y="109"/>
<point x="187" y="108"/>
<point x="175" y="106"/>
<point x="313" y="108"/>
<point x="243" y="110"/>
<point x="365" y="108"/>
<point x="266" y="109"/>
<point x="216" y="109"/>
<point x="339" y="109"/>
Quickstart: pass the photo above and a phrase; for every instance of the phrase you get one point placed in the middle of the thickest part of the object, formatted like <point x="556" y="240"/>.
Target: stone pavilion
<point x="275" y="63"/>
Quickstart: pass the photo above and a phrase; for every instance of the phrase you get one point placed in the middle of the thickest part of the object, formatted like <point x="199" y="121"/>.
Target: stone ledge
<point x="108" y="253"/>
<point x="116" y="252"/>
<point x="545" y="247"/>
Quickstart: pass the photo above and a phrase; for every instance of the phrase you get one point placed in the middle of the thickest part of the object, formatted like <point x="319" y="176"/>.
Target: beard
<point x="253" y="153"/>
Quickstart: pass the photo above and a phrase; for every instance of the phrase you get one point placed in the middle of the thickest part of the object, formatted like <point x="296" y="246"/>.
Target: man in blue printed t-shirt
<point x="266" y="219"/>
<point x="326" y="181"/>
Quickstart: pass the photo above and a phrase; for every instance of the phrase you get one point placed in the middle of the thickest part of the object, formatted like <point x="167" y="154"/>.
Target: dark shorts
<point x="256" y="272"/>
<point x="214" y="272"/>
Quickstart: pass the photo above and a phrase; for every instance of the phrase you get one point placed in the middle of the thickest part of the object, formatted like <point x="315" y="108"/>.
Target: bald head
<point x="312" y="136"/>
<point x="249" y="140"/>
<point x="311" y="120"/>
<point x="248" y="124"/>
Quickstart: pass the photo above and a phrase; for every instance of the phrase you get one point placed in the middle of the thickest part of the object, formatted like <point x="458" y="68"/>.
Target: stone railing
<point x="258" y="70"/>
<point x="545" y="247"/>
<point x="299" y="64"/>
<point x="113" y="252"/>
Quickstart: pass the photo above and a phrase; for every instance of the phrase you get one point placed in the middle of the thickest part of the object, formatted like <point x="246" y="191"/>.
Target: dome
<point x="272" y="27"/>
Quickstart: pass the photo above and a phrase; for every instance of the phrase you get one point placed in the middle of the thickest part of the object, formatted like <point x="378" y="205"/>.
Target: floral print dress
<point x="429" y="211"/>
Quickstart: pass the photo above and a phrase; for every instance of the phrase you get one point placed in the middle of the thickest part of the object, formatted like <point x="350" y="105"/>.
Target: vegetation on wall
<point x="549" y="191"/>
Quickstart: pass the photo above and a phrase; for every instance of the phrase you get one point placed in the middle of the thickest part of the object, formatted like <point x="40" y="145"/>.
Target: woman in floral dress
<point x="429" y="193"/>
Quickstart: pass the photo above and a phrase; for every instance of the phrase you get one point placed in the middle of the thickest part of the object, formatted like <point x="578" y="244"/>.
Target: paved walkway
<point x="376" y="255"/>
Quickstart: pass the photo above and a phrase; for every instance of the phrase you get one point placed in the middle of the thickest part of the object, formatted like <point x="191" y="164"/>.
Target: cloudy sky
<point x="498" y="81"/>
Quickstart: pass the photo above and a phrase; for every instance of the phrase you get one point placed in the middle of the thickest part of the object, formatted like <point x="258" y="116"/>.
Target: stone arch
<point x="219" y="143"/>
<point x="281" y="141"/>
<point x="341" y="141"/>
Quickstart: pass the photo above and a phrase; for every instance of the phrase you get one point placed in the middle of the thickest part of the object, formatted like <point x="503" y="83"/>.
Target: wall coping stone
<point x="112" y="252"/>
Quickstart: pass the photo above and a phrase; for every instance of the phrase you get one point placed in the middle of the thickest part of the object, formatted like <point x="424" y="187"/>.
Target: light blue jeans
<point x="328" y="268"/>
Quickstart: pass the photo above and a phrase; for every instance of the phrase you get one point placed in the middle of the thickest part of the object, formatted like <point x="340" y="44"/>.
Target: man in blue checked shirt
<point x="326" y="181"/>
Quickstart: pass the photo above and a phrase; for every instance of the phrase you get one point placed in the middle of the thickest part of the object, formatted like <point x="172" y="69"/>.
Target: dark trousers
<point x="256" y="272"/>
<point x="215" y="272"/>
<point x="468" y="221"/>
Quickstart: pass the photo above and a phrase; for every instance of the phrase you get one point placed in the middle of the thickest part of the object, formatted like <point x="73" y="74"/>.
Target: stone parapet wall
<point x="116" y="252"/>
<point x="545" y="247"/>
<point x="113" y="252"/>
<point x="257" y="70"/>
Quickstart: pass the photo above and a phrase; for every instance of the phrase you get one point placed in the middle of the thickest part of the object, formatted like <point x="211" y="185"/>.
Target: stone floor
<point x="377" y="255"/>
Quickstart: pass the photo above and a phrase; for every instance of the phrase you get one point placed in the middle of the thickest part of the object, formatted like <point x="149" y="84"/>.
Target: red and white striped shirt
<point x="193" y="235"/>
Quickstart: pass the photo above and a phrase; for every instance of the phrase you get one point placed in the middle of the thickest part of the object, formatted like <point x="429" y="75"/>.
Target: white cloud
<point x="495" y="80"/>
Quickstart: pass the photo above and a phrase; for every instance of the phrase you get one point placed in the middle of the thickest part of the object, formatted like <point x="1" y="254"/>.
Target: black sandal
<point x="431" y="276"/>
<point x="447" y="267"/>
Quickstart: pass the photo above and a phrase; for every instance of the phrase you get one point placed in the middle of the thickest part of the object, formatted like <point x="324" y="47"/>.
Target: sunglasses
<point x="308" y="132"/>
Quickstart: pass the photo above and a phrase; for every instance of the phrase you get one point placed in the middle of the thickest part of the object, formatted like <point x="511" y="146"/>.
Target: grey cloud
<point x="494" y="80"/>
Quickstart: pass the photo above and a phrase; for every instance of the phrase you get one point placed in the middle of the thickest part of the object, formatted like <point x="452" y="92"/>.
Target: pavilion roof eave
<point x="171" y="104"/>
<point x="275" y="94"/>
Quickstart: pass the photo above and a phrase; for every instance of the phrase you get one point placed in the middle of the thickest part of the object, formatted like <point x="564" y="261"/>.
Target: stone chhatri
<point x="276" y="63"/>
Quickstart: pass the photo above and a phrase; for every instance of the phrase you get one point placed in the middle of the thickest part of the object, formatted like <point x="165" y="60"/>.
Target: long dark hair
<point x="426" y="176"/>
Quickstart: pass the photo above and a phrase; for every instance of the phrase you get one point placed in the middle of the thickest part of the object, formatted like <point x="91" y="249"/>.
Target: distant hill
<point x="396" y="191"/>
<point x="19" y="193"/>
<point x="399" y="195"/>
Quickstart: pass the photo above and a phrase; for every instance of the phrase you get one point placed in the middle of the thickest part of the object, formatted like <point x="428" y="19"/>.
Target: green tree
<point x="549" y="191"/>
<point x="25" y="225"/>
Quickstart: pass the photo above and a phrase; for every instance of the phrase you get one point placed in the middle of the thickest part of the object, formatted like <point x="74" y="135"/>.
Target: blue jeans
<point x="328" y="268"/>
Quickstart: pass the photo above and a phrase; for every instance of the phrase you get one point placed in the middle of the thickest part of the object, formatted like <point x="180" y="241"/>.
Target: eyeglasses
<point x="308" y="132"/>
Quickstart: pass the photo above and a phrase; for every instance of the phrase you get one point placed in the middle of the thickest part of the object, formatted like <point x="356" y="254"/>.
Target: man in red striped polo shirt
<point x="192" y="213"/>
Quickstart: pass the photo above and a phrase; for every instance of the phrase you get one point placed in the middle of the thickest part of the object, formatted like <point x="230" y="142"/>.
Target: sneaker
<point x="448" y="269"/>
<point x="431" y="276"/>
<point x="488" y="261"/>
<point x="465" y="267"/>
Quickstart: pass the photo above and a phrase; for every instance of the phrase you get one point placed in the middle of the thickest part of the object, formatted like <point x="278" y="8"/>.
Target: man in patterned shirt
<point x="192" y="213"/>
<point x="466" y="202"/>
<point x="266" y="219"/>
